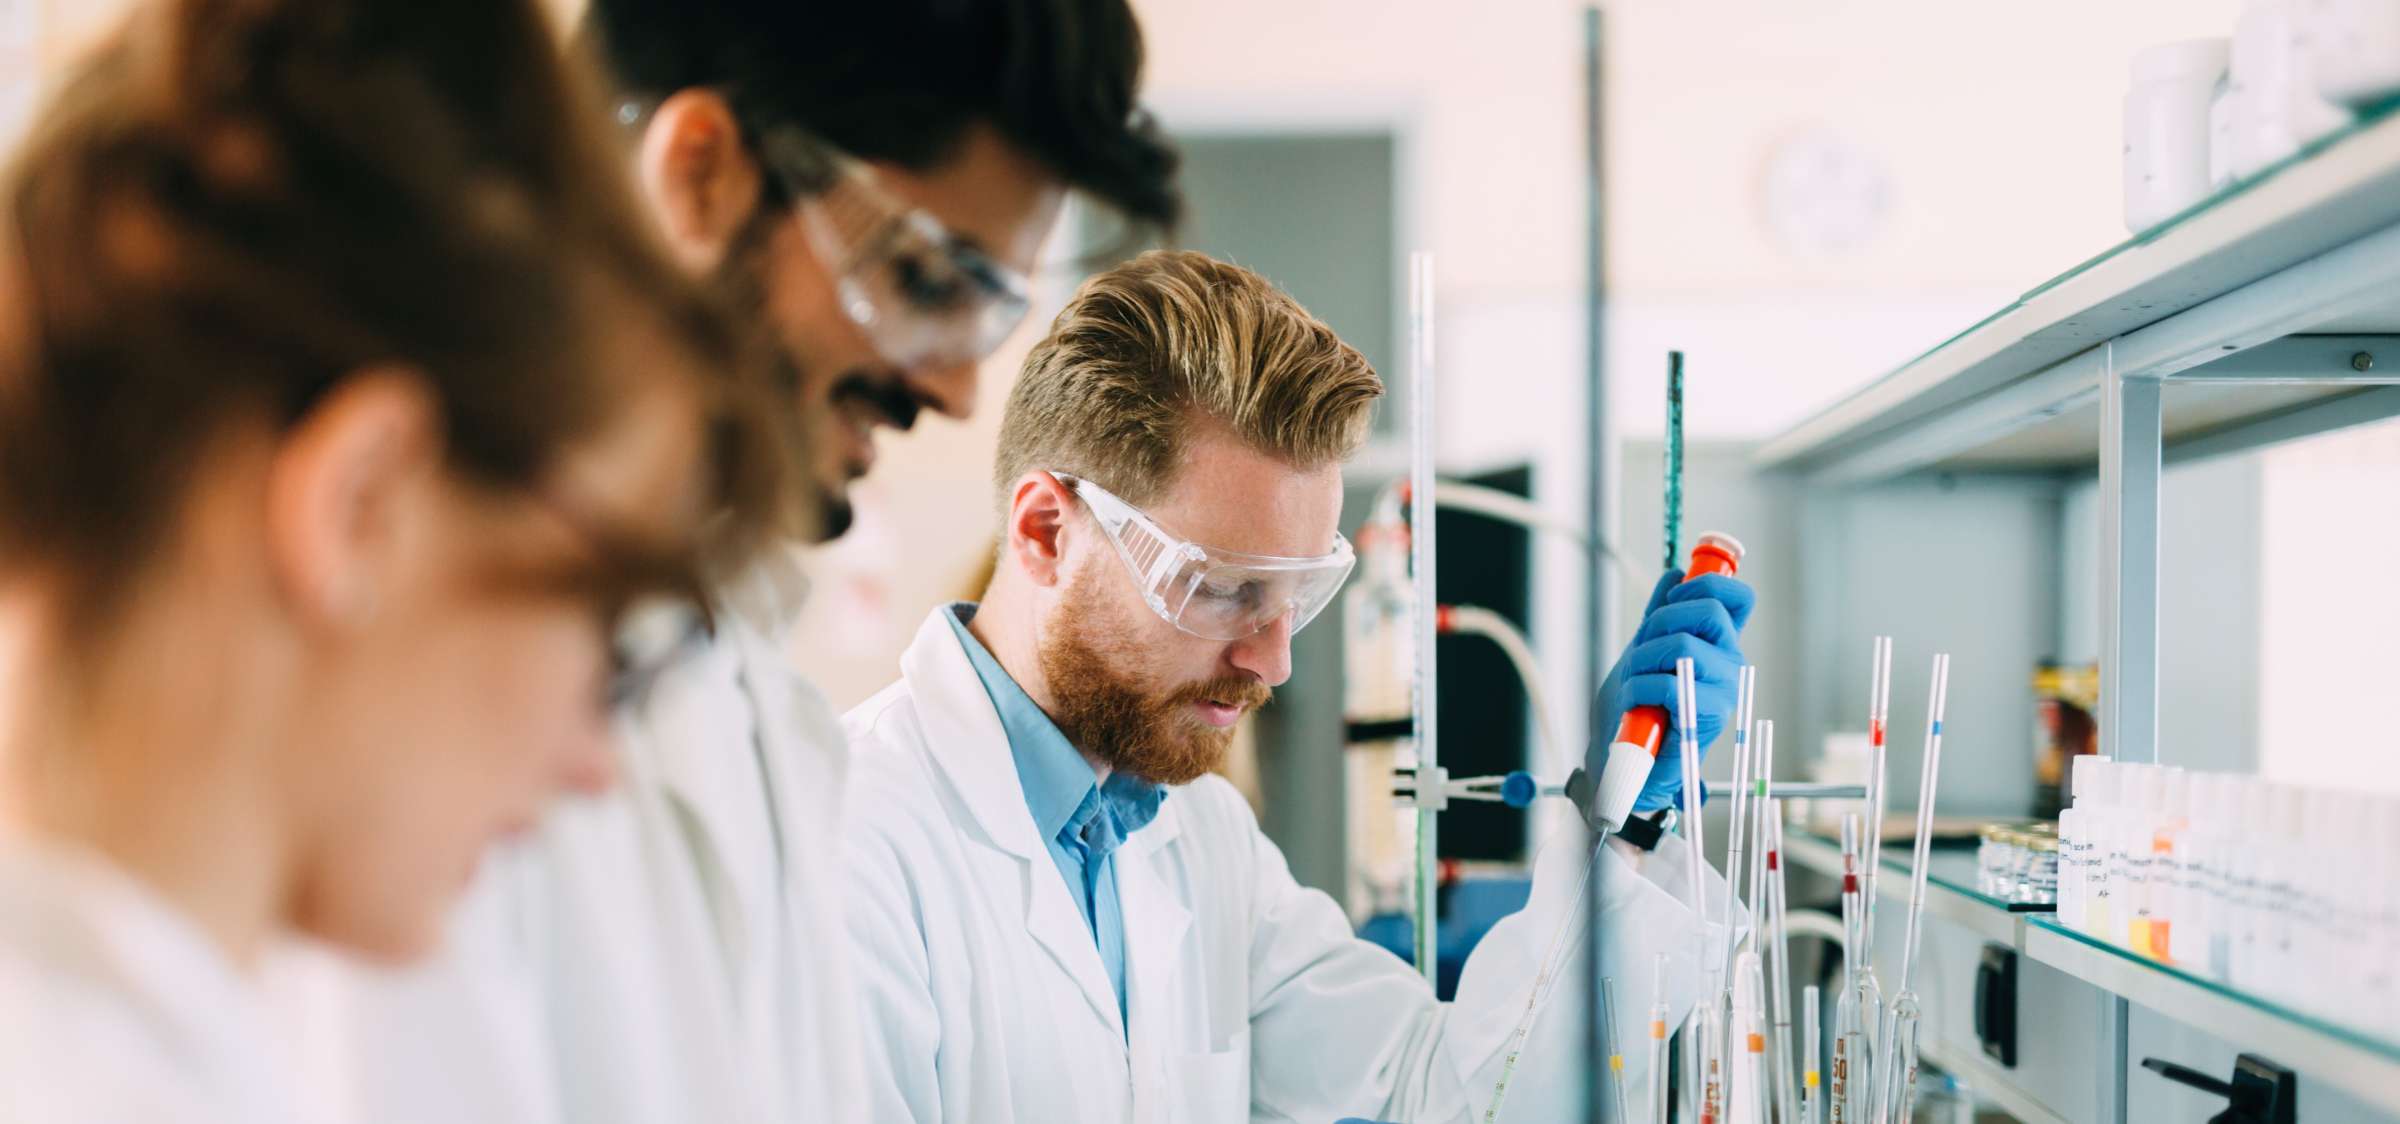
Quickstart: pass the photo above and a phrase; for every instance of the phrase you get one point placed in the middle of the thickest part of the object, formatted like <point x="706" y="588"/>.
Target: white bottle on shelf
<point x="2187" y="942"/>
<point x="2107" y="913"/>
<point x="2075" y="842"/>
<point x="2246" y="890"/>
<point x="2281" y="896"/>
<point x="2382" y="954"/>
<point x="2142" y="801"/>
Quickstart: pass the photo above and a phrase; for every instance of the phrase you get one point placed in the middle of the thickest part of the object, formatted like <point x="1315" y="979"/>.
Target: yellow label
<point x="2137" y="934"/>
<point x="1810" y="1080"/>
<point x="1616" y="1062"/>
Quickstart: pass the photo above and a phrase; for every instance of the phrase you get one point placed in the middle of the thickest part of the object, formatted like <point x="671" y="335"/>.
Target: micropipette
<point x="1616" y="1056"/>
<point x="1900" y="1065"/>
<point x="1812" y="1105"/>
<point x="1658" y="1039"/>
<point x="1635" y="747"/>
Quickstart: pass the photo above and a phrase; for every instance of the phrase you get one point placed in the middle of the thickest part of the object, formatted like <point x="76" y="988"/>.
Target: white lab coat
<point x="669" y="952"/>
<point x="116" y="1007"/>
<point x="1249" y="997"/>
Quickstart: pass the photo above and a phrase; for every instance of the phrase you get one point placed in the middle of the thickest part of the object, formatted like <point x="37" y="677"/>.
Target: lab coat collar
<point x="769" y="594"/>
<point x="718" y="723"/>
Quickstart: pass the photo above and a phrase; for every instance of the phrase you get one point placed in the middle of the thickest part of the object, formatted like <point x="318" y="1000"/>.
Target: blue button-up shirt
<point x="1081" y="821"/>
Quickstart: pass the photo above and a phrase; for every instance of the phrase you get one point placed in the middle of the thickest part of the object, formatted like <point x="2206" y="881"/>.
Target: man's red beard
<point x="1105" y="712"/>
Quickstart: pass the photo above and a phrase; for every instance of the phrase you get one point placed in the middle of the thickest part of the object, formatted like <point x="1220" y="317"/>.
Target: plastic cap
<point x="2174" y="792"/>
<point x="1721" y="541"/>
<point x="2186" y="58"/>
<point x="2286" y="810"/>
<point x="1518" y="789"/>
<point x="2086" y="776"/>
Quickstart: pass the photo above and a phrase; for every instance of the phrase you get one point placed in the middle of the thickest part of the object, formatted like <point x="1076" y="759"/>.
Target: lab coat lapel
<point x="964" y="738"/>
<point x="699" y="727"/>
<point x="1156" y="922"/>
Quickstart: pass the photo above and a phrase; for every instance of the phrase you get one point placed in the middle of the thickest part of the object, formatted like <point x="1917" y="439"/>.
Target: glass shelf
<point x="2361" y="1061"/>
<point x="2170" y="975"/>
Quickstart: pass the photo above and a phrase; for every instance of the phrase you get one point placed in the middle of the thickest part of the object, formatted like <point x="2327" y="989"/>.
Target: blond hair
<point x="1168" y="342"/>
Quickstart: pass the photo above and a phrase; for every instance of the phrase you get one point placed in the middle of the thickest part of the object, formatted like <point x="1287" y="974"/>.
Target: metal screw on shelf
<point x="2361" y="361"/>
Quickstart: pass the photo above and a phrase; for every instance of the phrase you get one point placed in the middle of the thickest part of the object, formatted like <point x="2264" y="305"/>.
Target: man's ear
<point x="700" y="179"/>
<point x="1035" y="536"/>
<point x="348" y="489"/>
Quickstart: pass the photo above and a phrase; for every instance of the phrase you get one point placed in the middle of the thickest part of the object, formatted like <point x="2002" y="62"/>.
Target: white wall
<point x="2327" y="612"/>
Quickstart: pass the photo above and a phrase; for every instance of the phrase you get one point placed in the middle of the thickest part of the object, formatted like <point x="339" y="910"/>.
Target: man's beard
<point x="1105" y="712"/>
<point x="741" y="283"/>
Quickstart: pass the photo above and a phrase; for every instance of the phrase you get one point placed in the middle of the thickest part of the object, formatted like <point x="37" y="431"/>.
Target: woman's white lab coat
<point x="666" y="953"/>
<point x="1249" y="997"/>
<point x="116" y="1007"/>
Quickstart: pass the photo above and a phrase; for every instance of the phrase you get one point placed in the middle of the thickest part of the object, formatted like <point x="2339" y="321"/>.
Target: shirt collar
<point x="1056" y="779"/>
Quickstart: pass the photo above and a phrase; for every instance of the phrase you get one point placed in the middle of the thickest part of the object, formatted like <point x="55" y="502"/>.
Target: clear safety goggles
<point x="921" y="295"/>
<point x="1213" y="594"/>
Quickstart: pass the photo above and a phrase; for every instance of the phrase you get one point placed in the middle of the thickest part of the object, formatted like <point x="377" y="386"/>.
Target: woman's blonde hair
<point x="1169" y="342"/>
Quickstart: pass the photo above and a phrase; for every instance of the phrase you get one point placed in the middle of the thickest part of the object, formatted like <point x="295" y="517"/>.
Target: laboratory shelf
<point x="2274" y="305"/>
<point x="2358" y="1061"/>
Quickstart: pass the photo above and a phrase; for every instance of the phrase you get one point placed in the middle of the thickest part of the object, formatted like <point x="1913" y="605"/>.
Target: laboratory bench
<point x="2267" y="313"/>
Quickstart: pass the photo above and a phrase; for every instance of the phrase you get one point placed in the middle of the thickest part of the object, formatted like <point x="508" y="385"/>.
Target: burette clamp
<point x="1426" y="788"/>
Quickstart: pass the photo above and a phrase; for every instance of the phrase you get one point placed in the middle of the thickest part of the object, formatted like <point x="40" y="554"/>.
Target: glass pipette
<point x="1545" y="978"/>
<point x="1704" y="1046"/>
<point x="1745" y="750"/>
<point x="1897" y="1039"/>
<point x="1848" y="1044"/>
<point x="1866" y="1004"/>
<point x="1658" y="1039"/>
<point x="1780" y="960"/>
<point x="1712" y="1067"/>
<point x="1749" y="1101"/>
<point x="1616" y="1055"/>
<point x="1812" y="1103"/>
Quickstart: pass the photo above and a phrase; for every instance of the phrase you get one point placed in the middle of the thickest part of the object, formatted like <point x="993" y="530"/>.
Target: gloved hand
<point x="1703" y="621"/>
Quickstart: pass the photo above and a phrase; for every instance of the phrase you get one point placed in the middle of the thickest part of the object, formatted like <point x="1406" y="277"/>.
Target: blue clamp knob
<point x="1519" y="789"/>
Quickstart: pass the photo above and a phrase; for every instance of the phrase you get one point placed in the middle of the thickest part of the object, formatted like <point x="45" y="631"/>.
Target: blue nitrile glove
<point x="1703" y="621"/>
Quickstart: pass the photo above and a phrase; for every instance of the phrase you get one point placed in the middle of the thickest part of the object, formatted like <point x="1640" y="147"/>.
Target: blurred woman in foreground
<point x="344" y="408"/>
